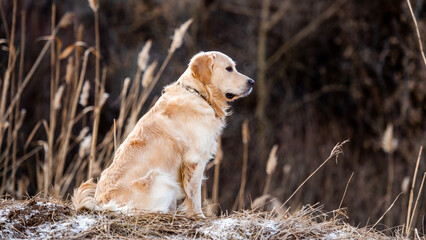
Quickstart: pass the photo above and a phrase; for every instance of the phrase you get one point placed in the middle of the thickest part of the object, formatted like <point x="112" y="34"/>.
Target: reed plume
<point x="58" y="97"/>
<point x="149" y="74"/>
<point x="389" y="143"/>
<point x="270" y="167"/>
<point x="84" y="96"/>
<point x="143" y="56"/>
<point x="178" y="36"/>
<point x="69" y="72"/>
<point x="94" y="5"/>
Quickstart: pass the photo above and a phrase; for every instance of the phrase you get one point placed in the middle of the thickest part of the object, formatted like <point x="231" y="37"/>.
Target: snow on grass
<point x="83" y="223"/>
<point x="222" y="228"/>
<point x="3" y="214"/>
<point x="54" y="220"/>
<point x="71" y="226"/>
<point x="41" y="220"/>
<point x="233" y="228"/>
<point x="336" y="235"/>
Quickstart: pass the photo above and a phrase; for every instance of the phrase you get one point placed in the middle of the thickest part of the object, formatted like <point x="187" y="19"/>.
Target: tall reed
<point x="69" y="107"/>
<point x="246" y="138"/>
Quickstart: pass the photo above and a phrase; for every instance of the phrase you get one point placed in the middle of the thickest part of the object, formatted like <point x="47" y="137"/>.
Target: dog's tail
<point x="84" y="197"/>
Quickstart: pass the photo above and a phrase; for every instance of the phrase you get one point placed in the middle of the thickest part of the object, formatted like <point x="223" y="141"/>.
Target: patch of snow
<point x="61" y="229"/>
<point x="270" y="225"/>
<point x="225" y="224"/>
<point x="82" y="223"/>
<point x="68" y="227"/>
<point x="339" y="234"/>
<point x="222" y="229"/>
<point x="225" y="228"/>
<point x="48" y="204"/>
<point x="3" y="214"/>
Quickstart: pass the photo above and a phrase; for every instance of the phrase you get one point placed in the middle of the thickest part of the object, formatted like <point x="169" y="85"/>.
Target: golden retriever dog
<point x="163" y="159"/>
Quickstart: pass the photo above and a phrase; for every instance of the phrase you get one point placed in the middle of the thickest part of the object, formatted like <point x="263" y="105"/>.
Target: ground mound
<point x="42" y="219"/>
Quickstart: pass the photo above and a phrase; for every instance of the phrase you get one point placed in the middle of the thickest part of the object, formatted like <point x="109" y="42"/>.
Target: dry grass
<point x="411" y="210"/>
<point x="39" y="218"/>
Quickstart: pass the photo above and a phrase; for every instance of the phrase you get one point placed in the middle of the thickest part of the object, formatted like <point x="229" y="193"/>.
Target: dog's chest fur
<point x="194" y="119"/>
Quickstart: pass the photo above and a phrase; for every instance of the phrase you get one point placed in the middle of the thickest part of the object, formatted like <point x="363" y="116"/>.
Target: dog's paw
<point x="201" y="215"/>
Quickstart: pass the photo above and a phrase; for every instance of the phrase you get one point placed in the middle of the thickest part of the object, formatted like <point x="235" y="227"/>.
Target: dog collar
<point x="194" y="91"/>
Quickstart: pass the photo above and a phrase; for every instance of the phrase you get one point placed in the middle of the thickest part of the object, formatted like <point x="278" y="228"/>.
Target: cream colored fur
<point x="164" y="157"/>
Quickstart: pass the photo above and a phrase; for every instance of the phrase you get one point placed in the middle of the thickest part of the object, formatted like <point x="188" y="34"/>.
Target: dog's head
<point x="217" y="73"/>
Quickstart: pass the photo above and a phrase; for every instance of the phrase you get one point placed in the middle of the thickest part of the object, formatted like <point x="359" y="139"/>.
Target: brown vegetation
<point x="38" y="218"/>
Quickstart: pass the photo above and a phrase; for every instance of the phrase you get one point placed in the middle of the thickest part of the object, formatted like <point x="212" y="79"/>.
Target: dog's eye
<point x="229" y="69"/>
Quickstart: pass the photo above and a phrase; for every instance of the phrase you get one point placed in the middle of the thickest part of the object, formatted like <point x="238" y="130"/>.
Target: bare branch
<point x="278" y="14"/>
<point x="304" y="32"/>
<point x="417" y="31"/>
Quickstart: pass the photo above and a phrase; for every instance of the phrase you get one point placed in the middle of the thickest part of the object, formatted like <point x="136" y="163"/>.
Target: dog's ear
<point x="202" y="67"/>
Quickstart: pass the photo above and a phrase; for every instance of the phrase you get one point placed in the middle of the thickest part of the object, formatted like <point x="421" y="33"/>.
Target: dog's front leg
<point x="192" y="177"/>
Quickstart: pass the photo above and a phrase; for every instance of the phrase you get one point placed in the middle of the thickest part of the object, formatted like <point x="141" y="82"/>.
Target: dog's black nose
<point x="250" y="82"/>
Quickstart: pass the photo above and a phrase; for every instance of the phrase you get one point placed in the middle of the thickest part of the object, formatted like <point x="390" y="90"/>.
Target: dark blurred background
<point x="325" y="71"/>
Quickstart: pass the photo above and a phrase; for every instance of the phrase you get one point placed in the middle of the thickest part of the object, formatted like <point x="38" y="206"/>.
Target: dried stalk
<point x="8" y="80"/>
<point x="73" y="107"/>
<point x="17" y="113"/>
<point x="97" y="77"/>
<point x="3" y="118"/>
<point x="261" y="85"/>
<point x="337" y="150"/>
<point x="417" y="31"/>
<point x="176" y="43"/>
<point x="218" y="160"/>
<point x="346" y="189"/>
<point x="387" y="210"/>
<point x="304" y="32"/>
<point x="34" y="67"/>
<point x="246" y="139"/>
<point x="52" y="123"/>
<point x="410" y="202"/>
<point x="417" y="201"/>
